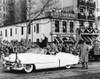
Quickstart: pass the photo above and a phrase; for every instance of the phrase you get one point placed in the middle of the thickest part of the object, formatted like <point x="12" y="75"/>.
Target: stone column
<point x="60" y="26"/>
<point x="52" y="29"/>
<point x="68" y="26"/>
<point x="52" y="25"/>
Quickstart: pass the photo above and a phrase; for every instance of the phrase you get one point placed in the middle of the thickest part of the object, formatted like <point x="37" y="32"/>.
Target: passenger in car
<point x="54" y="48"/>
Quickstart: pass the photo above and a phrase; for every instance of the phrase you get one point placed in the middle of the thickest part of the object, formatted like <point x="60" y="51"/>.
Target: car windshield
<point x="35" y="50"/>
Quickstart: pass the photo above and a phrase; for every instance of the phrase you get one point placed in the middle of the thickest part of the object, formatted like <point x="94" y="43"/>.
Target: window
<point x="4" y="1"/>
<point x="5" y="32"/>
<point x="0" y="1"/>
<point x="4" y="16"/>
<point x="29" y="40"/>
<point x="34" y="28"/>
<point x="4" y="8"/>
<point x="90" y="24"/>
<point x="56" y="26"/>
<point x="16" y="31"/>
<point x="64" y="26"/>
<point x="81" y="24"/>
<point x="0" y="15"/>
<point x="22" y="30"/>
<point x="29" y="30"/>
<point x="37" y="40"/>
<point x="98" y="18"/>
<point x="0" y="7"/>
<point x="11" y="32"/>
<point x="1" y="33"/>
<point x="71" y="27"/>
<point x="37" y="28"/>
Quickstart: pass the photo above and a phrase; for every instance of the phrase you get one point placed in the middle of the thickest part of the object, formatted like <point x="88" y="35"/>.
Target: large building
<point x="53" y="24"/>
<point x="20" y="10"/>
<point x="97" y="8"/>
<point x="16" y="11"/>
<point x="76" y="20"/>
<point x="3" y="11"/>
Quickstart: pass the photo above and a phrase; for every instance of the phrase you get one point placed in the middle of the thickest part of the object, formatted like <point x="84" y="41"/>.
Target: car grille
<point x="9" y="63"/>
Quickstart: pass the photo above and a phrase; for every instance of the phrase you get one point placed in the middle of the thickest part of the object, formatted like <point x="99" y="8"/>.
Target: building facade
<point x="3" y="11"/>
<point x="20" y="11"/>
<point x="86" y="18"/>
<point x="54" y="24"/>
<point x="16" y="11"/>
<point x="77" y="20"/>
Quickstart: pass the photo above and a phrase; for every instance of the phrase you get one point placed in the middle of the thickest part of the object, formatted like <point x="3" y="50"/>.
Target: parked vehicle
<point x="36" y="59"/>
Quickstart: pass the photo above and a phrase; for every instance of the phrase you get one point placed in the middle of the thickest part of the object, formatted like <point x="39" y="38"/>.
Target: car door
<point x="47" y="61"/>
<point x="66" y="59"/>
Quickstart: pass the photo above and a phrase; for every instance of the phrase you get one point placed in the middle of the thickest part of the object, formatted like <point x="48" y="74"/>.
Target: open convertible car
<point x="36" y="59"/>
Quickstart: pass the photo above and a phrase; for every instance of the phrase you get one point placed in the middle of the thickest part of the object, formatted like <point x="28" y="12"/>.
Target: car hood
<point x="28" y="57"/>
<point x="12" y="57"/>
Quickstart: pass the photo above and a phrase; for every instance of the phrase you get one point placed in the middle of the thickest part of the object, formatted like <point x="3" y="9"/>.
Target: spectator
<point x="54" y="48"/>
<point x="84" y="51"/>
<point x="44" y="41"/>
<point x="96" y="48"/>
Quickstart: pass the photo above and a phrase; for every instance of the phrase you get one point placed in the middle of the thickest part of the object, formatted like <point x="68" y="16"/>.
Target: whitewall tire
<point x="68" y="66"/>
<point x="28" y="68"/>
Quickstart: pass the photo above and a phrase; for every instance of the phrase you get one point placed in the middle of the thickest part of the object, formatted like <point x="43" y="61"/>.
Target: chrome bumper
<point x="12" y="66"/>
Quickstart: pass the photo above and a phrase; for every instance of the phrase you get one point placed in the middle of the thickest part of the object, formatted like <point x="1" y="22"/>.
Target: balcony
<point x="81" y="16"/>
<point x="89" y="30"/>
<point x="81" y="4"/>
<point x="91" y="5"/>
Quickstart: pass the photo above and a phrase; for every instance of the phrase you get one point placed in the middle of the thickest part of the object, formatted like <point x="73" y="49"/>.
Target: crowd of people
<point x="6" y="48"/>
<point x="14" y="46"/>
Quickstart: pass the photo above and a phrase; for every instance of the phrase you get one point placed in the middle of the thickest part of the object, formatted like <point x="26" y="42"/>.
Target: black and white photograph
<point x="49" y="39"/>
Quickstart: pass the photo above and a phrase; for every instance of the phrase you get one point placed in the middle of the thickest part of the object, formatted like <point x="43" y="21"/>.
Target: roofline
<point x="24" y="22"/>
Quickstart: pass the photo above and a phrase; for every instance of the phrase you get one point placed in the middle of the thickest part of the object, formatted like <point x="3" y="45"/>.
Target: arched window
<point x="56" y="26"/>
<point x="71" y="27"/>
<point x="64" y="26"/>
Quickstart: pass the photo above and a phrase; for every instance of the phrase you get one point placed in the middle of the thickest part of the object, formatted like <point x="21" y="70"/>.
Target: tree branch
<point x="38" y="14"/>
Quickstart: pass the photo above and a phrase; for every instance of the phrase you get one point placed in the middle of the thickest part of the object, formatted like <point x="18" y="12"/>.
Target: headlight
<point x="3" y="62"/>
<point x="17" y="61"/>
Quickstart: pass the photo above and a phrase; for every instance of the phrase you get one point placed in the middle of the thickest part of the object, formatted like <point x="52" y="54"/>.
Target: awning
<point x="68" y="40"/>
<point x="88" y="39"/>
<point x="58" y="40"/>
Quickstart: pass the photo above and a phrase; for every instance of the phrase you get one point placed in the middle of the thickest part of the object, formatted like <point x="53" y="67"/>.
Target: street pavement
<point x="59" y="73"/>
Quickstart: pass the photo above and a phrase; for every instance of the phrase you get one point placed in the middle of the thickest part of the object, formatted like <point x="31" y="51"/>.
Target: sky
<point x="65" y="3"/>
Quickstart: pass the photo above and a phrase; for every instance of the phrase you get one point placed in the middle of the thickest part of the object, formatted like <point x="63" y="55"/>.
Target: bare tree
<point x="10" y="16"/>
<point x="36" y="10"/>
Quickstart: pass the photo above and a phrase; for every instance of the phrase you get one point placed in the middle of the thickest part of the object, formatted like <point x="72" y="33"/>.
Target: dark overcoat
<point x="84" y="51"/>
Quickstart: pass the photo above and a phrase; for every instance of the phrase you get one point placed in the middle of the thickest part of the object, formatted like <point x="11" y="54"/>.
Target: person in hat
<point x="84" y="52"/>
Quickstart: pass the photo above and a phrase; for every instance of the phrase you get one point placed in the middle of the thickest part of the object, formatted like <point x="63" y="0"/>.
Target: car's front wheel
<point x="28" y="68"/>
<point x="68" y="66"/>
